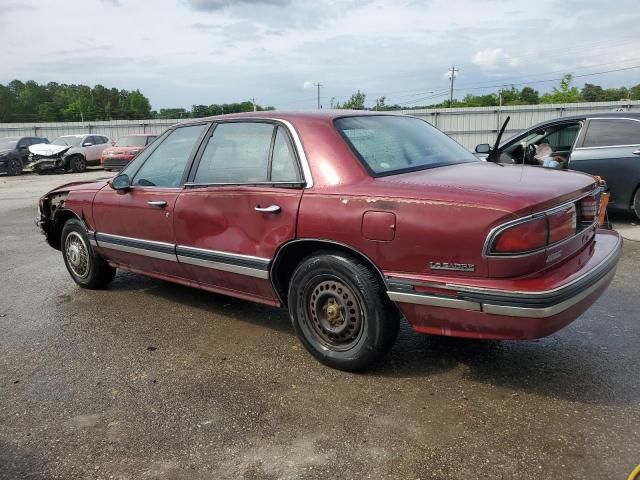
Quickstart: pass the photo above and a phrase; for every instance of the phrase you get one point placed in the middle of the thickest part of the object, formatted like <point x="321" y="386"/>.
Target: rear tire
<point x="77" y="164"/>
<point x="14" y="167"/>
<point x="85" y="266"/>
<point x="340" y="312"/>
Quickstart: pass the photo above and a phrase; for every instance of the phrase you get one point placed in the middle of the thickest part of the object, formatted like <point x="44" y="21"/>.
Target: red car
<point x="124" y="150"/>
<point x="348" y="219"/>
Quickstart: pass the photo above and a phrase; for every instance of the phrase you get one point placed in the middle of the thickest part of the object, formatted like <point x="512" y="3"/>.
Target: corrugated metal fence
<point x="469" y="126"/>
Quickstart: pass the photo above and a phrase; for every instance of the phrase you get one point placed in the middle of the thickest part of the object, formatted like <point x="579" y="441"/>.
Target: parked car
<point x="348" y="219"/>
<point x="606" y="144"/>
<point x="14" y="153"/>
<point x="124" y="150"/>
<point x="68" y="153"/>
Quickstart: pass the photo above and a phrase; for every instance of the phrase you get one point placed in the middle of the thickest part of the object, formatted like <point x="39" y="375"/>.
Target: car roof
<point x="140" y="135"/>
<point x="292" y="115"/>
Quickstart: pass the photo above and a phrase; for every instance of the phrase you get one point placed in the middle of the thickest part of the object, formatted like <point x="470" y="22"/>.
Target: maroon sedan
<point x="124" y="150"/>
<point x="350" y="220"/>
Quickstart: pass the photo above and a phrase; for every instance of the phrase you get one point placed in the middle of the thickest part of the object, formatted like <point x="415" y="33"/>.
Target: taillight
<point x="523" y="237"/>
<point x="562" y="224"/>
<point x="588" y="209"/>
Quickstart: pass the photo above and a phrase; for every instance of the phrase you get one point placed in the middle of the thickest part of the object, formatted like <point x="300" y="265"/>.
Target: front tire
<point x="14" y="167"/>
<point x="636" y="203"/>
<point x="77" y="164"/>
<point x="340" y="311"/>
<point x="84" y="265"/>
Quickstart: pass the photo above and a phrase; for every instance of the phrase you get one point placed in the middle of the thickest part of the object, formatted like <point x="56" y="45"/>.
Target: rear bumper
<point x="511" y="309"/>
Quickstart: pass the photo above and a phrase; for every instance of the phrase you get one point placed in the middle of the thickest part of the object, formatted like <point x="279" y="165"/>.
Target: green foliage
<point x="634" y="93"/>
<point x="355" y="102"/>
<point x="33" y="102"/>
<point x="595" y="93"/>
<point x="564" y="94"/>
<point x="30" y="101"/>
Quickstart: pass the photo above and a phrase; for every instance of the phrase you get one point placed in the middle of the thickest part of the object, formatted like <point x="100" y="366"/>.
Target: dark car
<point x="606" y="144"/>
<point x="349" y="219"/>
<point x="14" y="153"/>
<point x="125" y="149"/>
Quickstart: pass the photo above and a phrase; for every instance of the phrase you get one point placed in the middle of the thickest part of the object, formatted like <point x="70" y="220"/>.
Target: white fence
<point x="469" y="126"/>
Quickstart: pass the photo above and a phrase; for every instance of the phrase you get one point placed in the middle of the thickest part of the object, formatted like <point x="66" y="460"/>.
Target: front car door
<point x="135" y="228"/>
<point x="560" y="136"/>
<point x="610" y="148"/>
<point x="240" y="205"/>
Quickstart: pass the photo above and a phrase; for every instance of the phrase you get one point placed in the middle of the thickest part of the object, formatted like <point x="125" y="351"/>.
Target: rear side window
<point x="391" y="144"/>
<point x="236" y="153"/>
<point x="606" y="133"/>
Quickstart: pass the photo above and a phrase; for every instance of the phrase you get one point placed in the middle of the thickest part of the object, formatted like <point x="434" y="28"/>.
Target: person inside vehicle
<point x="545" y="156"/>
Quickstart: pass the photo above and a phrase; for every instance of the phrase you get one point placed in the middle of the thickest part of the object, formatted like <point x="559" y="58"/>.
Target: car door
<point x="610" y="148"/>
<point x="239" y="206"/>
<point x="135" y="228"/>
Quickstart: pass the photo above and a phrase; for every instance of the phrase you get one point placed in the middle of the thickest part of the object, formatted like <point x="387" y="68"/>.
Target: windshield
<point x="8" y="143"/>
<point x="70" y="141"/>
<point x="394" y="144"/>
<point x="132" y="141"/>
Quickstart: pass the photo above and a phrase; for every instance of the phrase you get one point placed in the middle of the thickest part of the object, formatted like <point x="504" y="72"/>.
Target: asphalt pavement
<point x="149" y="380"/>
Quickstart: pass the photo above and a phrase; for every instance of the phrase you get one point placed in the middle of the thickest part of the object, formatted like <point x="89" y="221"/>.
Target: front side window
<point x="165" y="165"/>
<point x="608" y="133"/>
<point x="392" y="144"/>
<point x="236" y="153"/>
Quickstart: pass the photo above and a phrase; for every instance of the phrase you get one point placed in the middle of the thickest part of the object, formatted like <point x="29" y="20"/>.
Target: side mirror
<point x="87" y="144"/>
<point x="483" y="148"/>
<point x="121" y="183"/>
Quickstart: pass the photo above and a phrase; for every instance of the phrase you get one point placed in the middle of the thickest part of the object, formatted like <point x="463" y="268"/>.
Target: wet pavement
<point x="149" y="380"/>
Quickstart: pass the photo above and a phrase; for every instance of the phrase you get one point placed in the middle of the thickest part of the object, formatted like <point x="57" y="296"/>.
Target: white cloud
<point x="492" y="58"/>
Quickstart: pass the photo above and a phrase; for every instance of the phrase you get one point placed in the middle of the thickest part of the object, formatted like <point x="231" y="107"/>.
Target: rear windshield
<point x="133" y="141"/>
<point x="394" y="144"/>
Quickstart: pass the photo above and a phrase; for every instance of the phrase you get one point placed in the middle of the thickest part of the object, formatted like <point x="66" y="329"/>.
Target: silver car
<point x="68" y="153"/>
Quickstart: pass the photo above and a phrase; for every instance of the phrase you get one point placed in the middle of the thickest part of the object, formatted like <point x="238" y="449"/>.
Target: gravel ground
<point x="149" y="380"/>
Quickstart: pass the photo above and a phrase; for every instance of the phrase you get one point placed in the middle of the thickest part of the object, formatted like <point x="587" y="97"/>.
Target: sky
<point x="185" y="52"/>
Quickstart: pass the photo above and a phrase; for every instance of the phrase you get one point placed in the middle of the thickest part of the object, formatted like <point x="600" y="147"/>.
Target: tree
<point x="529" y="96"/>
<point x="355" y="102"/>
<point x="380" y="103"/>
<point x="564" y="94"/>
<point x="634" y="93"/>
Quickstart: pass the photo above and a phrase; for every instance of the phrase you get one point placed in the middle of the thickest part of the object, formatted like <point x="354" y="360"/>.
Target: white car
<point x="68" y="152"/>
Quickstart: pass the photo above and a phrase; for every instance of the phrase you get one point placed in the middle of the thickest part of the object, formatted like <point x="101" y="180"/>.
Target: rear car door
<point x="135" y="228"/>
<point x="239" y="206"/>
<point x="610" y="148"/>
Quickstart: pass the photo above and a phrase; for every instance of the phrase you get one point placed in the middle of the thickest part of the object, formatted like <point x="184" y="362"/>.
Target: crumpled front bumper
<point x="530" y="307"/>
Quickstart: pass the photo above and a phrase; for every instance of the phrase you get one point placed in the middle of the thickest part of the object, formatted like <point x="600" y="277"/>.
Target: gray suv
<point x="607" y="145"/>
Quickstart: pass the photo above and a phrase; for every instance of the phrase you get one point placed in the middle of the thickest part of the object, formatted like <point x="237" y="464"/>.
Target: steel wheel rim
<point x="77" y="163"/>
<point x="14" y="168"/>
<point x="334" y="313"/>
<point x="77" y="255"/>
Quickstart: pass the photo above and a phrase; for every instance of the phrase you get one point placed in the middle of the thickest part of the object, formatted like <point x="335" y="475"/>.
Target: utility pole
<point x="452" y="76"/>
<point x="319" y="85"/>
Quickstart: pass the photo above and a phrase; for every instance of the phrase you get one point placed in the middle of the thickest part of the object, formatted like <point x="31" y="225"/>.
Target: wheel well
<point x="290" y="255"/>
<point x="54" y="233"/>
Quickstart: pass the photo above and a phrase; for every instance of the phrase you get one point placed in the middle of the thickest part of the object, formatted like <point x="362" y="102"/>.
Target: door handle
<point x="157" y="203"/>
<point x="269" y="209"/>
<point x="637" y="152"/>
